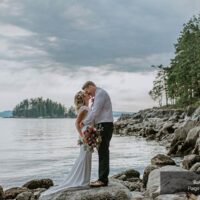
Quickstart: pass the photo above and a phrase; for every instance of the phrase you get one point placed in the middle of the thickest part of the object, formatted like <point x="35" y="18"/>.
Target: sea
<point x="47" y="148"/>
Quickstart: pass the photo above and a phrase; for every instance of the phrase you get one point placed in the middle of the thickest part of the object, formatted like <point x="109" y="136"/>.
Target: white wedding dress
<point x="79" y="176"/>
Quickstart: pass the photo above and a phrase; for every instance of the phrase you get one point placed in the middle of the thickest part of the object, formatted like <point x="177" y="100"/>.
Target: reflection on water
<point x="47" y="148"/>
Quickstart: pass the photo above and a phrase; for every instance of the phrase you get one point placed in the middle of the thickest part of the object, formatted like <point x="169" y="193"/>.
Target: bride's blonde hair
<point x="79" y="100"/>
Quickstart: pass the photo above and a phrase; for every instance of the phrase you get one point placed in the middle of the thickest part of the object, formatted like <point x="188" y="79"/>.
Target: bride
<point x="79" y="176"/>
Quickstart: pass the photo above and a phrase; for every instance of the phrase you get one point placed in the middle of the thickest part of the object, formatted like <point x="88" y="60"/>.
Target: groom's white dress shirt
<point x="101" y="110"/>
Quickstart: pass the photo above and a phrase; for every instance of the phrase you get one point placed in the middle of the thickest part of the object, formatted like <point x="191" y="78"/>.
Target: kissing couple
<point x="99" y="114"/>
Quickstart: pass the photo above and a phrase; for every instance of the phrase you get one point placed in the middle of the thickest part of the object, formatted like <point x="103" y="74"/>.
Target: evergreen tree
<point x="181" y="80"/>
<point x="159" y="90"/>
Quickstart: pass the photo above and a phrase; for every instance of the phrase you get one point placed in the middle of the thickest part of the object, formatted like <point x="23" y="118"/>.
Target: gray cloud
<point x="51" y="47"/>
<point x="87" y="33"/>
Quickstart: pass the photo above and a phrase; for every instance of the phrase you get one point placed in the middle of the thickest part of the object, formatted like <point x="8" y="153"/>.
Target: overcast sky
<point x="50" y="48"/>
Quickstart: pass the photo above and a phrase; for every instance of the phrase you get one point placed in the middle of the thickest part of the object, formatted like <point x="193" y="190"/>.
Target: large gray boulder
<point x="178" y="196"/>
<point x="196" y="168"/>
<point x="190" y="111"/>
<point x="114" y="191"/>
<point x="196" y="149"/>
<point x="180" y="135"/>
<point x="190" y="160"/>
<point x="147" y="171"/>
<point x="191" y="140"/>
<point x="153" y="184"/>
<point x="196" y="114"/>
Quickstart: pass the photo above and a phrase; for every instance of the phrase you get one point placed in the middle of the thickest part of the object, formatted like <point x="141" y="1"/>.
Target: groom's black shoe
<point x="98" y="184"/>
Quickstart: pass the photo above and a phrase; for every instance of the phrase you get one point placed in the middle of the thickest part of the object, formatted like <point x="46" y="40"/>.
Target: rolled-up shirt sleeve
<point x="100" y="98"/>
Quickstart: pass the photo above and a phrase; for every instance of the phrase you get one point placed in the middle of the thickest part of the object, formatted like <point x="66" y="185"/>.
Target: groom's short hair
<point x="87" y="84"/>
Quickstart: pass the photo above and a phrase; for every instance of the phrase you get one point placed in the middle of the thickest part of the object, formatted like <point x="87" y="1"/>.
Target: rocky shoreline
<point x="177" y="129"/>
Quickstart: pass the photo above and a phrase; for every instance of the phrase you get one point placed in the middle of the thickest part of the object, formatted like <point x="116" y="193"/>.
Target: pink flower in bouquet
<point x="91" y="138"/>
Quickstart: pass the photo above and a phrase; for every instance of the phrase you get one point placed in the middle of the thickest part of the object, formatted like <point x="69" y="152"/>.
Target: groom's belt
<point x="104" y="123"/>
<point x="107" y="124"/>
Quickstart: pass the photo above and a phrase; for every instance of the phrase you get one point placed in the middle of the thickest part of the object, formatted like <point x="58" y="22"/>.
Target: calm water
<point x="47" y="148"/>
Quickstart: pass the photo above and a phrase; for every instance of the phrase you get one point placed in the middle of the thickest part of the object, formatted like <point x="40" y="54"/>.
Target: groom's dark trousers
<point x="103" y="151"/>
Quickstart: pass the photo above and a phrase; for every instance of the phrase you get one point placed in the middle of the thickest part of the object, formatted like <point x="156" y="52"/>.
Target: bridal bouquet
<point x="91" y="138"/>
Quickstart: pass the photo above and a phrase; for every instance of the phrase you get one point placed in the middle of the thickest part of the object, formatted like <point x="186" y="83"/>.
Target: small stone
<point x="39" y="183"/>
<point x="133" y="186"/>
<point x="24" y="196"/>
<point x="131" y="173"/>
<point x="13" y="192"/>
<point x="122" y="177"/>
<point x="162" y="160"/>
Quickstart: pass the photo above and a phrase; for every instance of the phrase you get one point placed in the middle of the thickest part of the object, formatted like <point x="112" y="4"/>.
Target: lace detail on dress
<point x="82" y="108"/>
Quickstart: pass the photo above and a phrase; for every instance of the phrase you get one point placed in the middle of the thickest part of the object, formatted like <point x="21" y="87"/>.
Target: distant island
<point x="6" y="114"/>
<point x="119" y="114"/>
<point x="41" y="108"/>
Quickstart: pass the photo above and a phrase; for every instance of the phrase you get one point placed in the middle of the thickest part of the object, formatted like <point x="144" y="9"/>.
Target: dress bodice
<point x="82" y="108"/>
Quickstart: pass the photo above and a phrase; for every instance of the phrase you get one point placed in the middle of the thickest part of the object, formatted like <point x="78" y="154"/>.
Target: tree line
<point x="39" y="107"/>
<point x="179" y="83"/>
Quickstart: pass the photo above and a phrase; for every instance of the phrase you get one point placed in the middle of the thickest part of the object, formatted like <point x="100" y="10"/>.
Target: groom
<point x="101" y="114"/>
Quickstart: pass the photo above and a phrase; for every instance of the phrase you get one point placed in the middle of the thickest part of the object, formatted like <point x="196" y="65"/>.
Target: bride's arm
<point x="79" y="119"/>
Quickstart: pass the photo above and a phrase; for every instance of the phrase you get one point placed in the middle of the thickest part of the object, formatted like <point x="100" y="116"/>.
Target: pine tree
<point x="181" y="80"/>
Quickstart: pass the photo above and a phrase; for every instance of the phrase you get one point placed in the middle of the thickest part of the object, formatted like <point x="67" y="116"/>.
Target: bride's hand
<point x="84" y="140"/>
<point x="81" y="125"/>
